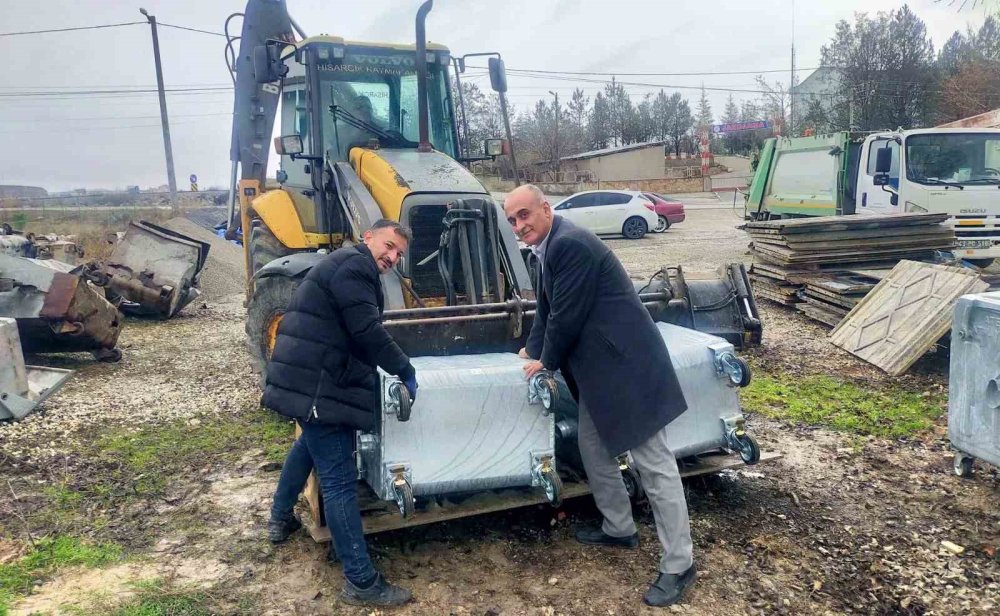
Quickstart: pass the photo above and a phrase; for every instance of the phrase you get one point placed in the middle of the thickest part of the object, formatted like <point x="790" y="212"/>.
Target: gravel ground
<point x="838" y="525"/>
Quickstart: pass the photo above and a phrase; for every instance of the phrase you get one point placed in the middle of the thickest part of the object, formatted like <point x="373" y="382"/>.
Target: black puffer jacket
<point x="329" y="343"/>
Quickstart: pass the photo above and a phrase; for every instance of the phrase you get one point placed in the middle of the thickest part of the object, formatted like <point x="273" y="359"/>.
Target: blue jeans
<point x="330" y="450"/>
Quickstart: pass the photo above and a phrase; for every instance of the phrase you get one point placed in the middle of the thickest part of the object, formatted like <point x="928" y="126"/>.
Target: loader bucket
<point x="22" y="387"/>
<point x="153" y="270"/>
<point x="56" y="311"/>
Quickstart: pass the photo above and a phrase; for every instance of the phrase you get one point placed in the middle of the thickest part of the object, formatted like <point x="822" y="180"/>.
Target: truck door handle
<point x="864" y="199"/>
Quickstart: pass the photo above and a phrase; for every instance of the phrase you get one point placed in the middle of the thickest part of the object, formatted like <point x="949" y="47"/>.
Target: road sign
<point x="735" y="127"/>
<point x="194" y="182"/>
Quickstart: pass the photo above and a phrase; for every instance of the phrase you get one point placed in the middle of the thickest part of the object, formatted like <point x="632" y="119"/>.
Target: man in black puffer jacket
<point x="322" y="373"/>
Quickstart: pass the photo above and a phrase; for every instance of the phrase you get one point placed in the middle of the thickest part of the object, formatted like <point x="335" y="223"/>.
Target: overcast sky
<point x="71" y="140"/>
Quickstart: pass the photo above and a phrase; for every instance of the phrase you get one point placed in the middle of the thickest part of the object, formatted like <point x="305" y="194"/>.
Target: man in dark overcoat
<point x="591" y="325"/>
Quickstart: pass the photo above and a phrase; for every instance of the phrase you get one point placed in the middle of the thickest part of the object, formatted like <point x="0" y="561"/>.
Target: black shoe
<point x="379" y="593"/>
<point x="596" y="536"/>
<point x="278" y="531"/>
<point x="668" y="588"/>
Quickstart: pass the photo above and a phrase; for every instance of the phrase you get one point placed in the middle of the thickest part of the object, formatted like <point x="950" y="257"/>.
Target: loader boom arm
<point x="254" y="104"/>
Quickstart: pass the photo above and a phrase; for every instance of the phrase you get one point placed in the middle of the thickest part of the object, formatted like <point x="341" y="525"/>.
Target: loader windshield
<point x="372" y="94"/>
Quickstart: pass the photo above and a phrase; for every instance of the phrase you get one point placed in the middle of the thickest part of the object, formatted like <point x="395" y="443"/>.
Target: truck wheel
<point x="264" y="313"/>
<point x="634" y="228"/>
<point x="264" y="247"/>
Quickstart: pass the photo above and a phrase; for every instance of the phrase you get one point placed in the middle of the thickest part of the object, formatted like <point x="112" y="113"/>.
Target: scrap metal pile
<point x="60" y="305"/>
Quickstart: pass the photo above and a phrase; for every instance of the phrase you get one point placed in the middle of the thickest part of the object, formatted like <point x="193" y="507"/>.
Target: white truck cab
<point x="954" y="171"/>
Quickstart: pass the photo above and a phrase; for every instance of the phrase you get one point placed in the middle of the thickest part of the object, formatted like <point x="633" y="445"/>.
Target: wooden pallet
<point x="386" y="519"/>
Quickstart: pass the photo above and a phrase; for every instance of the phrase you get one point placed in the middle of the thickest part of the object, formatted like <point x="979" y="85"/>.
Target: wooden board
<point x="875" y="243"/>
<point x="844" y="301"/>
<point x="784" y="256"/>
<point x="817" y="313"/>
<point x="843" y="284"/>
<point x="905" y="314"/>
<point x="854" y="234"/>
<point x="775" y="289"/>
<point x="845" y="223"/>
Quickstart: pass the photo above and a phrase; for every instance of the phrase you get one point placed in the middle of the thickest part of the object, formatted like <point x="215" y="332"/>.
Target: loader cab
<point x="339" y="95"/>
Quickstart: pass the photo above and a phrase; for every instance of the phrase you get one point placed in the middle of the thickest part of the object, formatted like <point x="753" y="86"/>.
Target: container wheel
<point x="404" y="498"/>
<point x="632" y="484"/>
<point x="747" y="373"/>
<point x="404" y="403"/>
<point x="549" y="392"/>
<point x="963" y="465"/>
<point x="748" y="448"/>
<point x="553" y="486"/>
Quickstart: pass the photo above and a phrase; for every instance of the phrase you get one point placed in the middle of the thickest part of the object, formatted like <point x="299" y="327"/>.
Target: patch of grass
<point x="157" y="598"/>
<point x="47" y="556"/>
<point x="119" y="468"/>
<point x="154" y="453"/>
<point x="889" y="411"/>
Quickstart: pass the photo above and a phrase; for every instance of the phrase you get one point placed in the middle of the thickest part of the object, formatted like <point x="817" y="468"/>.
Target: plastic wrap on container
<point x="471" y="428"/>
<point x="711" y="397"/>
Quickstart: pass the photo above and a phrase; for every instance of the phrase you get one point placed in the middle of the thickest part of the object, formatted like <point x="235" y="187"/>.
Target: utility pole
<point x="791" y="82"/>
<point x="463" y="145"/>
<point x="557" y="149"/>
<point x="168" y="151"/>
<point x="510" y="136"/>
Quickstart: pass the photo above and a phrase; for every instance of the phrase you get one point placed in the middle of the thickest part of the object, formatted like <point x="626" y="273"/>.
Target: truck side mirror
<point x="883" y="160"/>
<point x="498" y="75"/>
<point x="267" y="64"/>
<point x="880" y="179"/>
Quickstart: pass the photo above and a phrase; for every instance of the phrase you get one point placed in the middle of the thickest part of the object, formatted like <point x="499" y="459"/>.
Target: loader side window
<point x="295" y="120"/>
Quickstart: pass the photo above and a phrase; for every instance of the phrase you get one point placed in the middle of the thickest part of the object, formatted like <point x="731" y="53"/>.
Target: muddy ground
<point x="839" y="525"/>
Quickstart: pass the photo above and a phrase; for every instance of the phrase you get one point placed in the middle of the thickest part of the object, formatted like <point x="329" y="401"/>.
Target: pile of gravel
<point x="223" y="274"/>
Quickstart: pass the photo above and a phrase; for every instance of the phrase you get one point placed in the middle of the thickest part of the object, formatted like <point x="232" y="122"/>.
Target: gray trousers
<point x="660" y="480"/>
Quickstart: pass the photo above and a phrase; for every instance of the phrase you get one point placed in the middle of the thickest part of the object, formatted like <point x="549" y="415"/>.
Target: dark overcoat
<point x="330" y="340"/>
<point x="590" y="323"/>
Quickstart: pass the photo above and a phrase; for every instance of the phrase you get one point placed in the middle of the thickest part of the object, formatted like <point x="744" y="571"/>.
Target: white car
<point x="606" y="212"/>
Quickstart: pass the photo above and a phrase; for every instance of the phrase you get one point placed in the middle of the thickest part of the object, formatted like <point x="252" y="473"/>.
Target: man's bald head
<point x="529" y="213"/>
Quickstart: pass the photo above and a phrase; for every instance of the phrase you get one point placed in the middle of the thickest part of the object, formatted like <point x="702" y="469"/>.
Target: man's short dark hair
<point x="385" y="223"/>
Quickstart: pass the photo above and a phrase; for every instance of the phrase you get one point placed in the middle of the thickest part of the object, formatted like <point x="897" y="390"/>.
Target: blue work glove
<point x="411" y="386"/>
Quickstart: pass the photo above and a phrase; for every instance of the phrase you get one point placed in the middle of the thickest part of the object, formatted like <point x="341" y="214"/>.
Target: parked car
<point x="607" y="212"/>
<point x="669" y="211"/>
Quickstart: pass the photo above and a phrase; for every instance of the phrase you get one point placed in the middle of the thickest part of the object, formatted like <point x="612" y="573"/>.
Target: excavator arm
<point x="254" y="104"/>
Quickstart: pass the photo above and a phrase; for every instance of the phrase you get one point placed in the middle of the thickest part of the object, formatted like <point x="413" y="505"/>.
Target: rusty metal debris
<point x="151" y="271"/>
<point x="23" y="387"/>
<point x="63" y="248"/>
<point x="57" y="311"/>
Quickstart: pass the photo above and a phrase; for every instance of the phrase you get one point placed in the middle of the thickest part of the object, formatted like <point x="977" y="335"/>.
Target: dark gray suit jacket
<point x="590" y="323"/>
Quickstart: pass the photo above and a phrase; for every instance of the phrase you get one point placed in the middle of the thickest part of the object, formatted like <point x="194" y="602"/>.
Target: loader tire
<point x="264" y="312"/>
<point x="264" y="247"/>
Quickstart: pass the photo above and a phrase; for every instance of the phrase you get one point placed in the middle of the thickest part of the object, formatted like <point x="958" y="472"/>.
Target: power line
<point x="144" y="117"/>
<point x="160" y="23"/>
<point x="63" y="129"/>
<point x="96" y="92"/>
<point x="129" y="23"/>
<point x="615" y="74"/>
